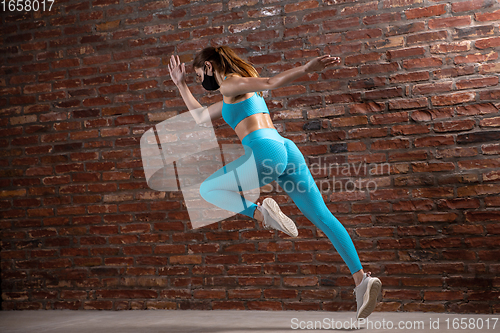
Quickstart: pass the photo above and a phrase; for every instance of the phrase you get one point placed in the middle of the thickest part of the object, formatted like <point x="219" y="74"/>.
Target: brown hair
<point x="226" y="61"/>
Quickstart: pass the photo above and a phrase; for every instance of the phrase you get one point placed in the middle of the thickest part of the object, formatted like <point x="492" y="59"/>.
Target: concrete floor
<point x="188" y="321"/>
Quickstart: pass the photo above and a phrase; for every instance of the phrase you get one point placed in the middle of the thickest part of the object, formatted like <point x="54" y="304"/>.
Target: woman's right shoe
<point x="366" y="295"/>
<point x="276" y="219"/>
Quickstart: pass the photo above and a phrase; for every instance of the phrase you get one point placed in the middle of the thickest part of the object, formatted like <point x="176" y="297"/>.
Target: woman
<point x="276" y="158"/>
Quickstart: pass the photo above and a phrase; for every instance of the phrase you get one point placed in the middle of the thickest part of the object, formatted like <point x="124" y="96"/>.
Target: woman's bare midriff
<point x="253" y="123"/>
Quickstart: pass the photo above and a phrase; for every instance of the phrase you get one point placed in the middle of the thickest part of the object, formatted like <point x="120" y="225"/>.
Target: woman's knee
<point x="205" y="190"/>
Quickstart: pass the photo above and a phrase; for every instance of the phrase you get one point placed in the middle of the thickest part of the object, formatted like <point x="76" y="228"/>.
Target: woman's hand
<point x="320" y="63"/>
<point x="177" y="70"/>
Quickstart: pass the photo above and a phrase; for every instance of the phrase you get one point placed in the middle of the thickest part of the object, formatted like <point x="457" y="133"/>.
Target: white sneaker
<point x="366" y="295"/>
<point x="276" y="219"/>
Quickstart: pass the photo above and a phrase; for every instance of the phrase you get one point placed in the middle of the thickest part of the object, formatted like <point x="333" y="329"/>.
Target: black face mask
<point x="209" y="82"/>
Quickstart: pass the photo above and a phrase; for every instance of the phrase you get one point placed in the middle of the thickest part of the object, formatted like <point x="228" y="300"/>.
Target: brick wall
<point x="417" y="91"/>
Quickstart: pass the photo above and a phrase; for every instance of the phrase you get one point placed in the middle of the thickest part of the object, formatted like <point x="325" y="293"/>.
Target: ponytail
<point x="226" y="61"/>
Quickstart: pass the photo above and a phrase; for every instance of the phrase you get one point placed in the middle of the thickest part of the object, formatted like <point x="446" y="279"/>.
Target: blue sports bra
<point x="235" y="112"/>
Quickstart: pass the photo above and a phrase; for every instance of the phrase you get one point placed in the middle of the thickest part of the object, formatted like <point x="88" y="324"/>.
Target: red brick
<point x="257" y="258"/>
<point x="426" y="37"/>
<point x="491" y="16"/>
<point x="380" y="68"/>
<point x="452" y="99"/>
<point x="318" y="294"/>
<point x="442" y="192"/>
<point x="408" y="103"/>
<point x="375" y="232"/>
<point x="422" y="63"/>
<point x="384" y="93"/>
<point x="401" y="294"/>
<point x="476" y="109"/>
<point x="300" y="281"/>
<point x="476" y="57"/>
<point x="358" y="9"/>
<point x="185" y="259"/>
<point x="447" y="22"/>
<point x="349" y="121"/>
<point x="479" y="164"/>
<point x="480" y="216"/>
<point x="390" y="144"/>
<point x="221" y="259"/>
<point x="404" y="29"/>
<point x="429" y="88"/>
<point x="461" y="46"/>
<point x="363" y="34"/>
<point x="431" y="11"/>
<point x="362" y="58"/>
<point x="381" y="18"/>
<point x="299" y="6"/>
<point x="264" y="305"/>
<point x="319" y="15"/>
<point x="424" y="307"/>
<point x="126" y="293"/>
<point x="477" y="83"/>
<point x="475" y="31"/>
<point x="467" y="5"/>
<point x="405" y="53"/>
<point x="442" y="268"/>
<point x="458" y="125"/>
<point x="341" y="24"/>
<point x="228" y="305"/>
<point x="302" y="30"/>
<point x="245" y="293"/>
<point x="209" y="294"/>
<point x="443" y="295"/>
<point x="98" y="305"/>
<point x="490" y="122"/>
<point x="302" y="306"/>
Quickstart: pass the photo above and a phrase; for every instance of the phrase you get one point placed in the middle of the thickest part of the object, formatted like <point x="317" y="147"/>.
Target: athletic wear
<point x="274" y="218"/>
<point x="277" y="158"/>
<point x="366" y="295"/>
<point x="235" y="112"/>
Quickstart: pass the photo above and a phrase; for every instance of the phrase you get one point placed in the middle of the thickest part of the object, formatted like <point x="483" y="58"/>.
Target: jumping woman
<point x="276" y="158"/>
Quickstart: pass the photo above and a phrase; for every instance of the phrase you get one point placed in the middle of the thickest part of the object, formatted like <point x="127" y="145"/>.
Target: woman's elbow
<point x="271" y="84"/>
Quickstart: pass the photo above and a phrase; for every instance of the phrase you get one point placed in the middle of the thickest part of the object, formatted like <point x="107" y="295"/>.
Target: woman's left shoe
<point x="276" y="219"/>
<point x="366" y="295"/>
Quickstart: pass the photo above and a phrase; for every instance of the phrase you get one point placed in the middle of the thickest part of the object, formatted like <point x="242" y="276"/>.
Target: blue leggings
<point x="277" y="158"/>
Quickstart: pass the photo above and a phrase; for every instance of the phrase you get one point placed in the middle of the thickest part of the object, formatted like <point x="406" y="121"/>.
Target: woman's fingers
<point x="330" y="58"/>
<point x="174" y="62"/>
<point x="333" y="60"/>
<point x="324" y="58"/>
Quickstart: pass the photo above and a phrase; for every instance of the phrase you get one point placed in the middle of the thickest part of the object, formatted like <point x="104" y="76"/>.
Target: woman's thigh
<point x="296" y="179"/>
<point x="264" y="161"/>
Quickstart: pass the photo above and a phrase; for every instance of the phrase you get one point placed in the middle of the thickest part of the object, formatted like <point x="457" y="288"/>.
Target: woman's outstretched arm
<point x="199" y="112"/>
<point x="178" y="76"/>
<point x="235" y="85"/>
